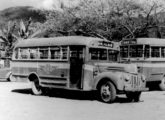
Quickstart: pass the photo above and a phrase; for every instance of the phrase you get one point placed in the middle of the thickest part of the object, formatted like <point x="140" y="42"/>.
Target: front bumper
<point x="130" y="89"/>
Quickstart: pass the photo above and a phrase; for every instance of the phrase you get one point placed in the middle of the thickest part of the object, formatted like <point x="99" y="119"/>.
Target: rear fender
<point x="32" y="76"/>
<point x="8" y="75"/>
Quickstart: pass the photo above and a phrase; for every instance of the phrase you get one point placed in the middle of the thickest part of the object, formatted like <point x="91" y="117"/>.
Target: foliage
<point x="107" y="19"/>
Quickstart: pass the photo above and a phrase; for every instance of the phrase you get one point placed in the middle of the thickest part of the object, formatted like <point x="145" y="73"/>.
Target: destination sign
<point x="130" y="41"/>
<point x="106" y="44"/>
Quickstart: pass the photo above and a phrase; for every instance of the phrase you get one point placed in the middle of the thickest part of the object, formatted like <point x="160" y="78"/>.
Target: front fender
<point x="155" y="77"/>
<point x="115" y="77"/>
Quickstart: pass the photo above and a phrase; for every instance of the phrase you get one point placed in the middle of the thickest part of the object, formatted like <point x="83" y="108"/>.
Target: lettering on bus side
<point x="47" y="68"/>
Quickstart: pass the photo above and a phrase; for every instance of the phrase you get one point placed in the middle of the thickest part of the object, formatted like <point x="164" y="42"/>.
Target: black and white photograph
<point x="82" y="59"/>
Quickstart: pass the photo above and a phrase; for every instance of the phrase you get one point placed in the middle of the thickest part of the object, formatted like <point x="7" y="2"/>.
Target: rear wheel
<point x="107" y="92"/>
<point x="11" y="78"/>
<point x="162" y="84"/>
<point x="36" y="88"/>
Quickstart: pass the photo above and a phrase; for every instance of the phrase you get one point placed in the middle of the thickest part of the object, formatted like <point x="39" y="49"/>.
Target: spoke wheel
<point x="162" y="84"/>
<point x="36" y="88"/>
<point x="107" y="92"/>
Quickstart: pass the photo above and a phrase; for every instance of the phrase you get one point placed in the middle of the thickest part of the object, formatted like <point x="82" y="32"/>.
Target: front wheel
<point x="162" y="84"/>
<point x="133" y="96"/>
<point x="36" y="88"/>
<point x="107" y="92"/>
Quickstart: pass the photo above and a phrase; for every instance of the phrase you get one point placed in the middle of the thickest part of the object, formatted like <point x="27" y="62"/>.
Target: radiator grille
<point x="135" y="81"/>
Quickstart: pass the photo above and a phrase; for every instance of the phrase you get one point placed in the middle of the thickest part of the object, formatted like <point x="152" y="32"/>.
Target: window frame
<point x="90" y="57"/>
<point x="17" y="51"/>
<point x="137" y="53"/>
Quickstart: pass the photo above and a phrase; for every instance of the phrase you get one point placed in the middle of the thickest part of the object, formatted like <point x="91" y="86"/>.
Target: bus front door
<point x="76" y="63"/>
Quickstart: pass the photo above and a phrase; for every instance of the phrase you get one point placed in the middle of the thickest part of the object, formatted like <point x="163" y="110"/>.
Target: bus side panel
<point x="152" y="71"/>
<point x="22" y="69"/>
<point x="49" y="73"/>
<point x="54" y="74"/>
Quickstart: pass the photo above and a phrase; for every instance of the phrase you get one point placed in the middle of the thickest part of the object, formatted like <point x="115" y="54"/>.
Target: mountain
<point x="22" y="12"/>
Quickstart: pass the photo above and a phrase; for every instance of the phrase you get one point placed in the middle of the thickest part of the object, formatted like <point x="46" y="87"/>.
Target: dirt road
<point x="17" y="103"/>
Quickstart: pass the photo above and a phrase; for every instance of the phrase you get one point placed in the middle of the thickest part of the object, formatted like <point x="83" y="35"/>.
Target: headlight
<point x="127" y="78"/>
<point x="143" y="78"/>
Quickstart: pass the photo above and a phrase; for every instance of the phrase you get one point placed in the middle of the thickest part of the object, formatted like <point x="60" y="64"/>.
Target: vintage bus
<point x="149" y="55"/>
<point x="5" y="71"/>
<point x="76" y="63"/>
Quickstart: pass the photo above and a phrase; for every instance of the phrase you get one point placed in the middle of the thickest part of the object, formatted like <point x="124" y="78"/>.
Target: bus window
<point x="58" y="53"/>
<point x="24" y="53"/>
<point x="147" y="51"/>
<point x="136" y="50"/>
<point x="43" y="52"/>
<point x="33" y="53"/>
<point x="98" y="54"/>
<point x="16" y="54"/>
<point x="112" y="55"/>
<point x="64" y="53"/>
<point x="55" y="53"/>
<point x="124" y="51"/>
<point x="163" y="52"/>
<point x="155" y="52"/>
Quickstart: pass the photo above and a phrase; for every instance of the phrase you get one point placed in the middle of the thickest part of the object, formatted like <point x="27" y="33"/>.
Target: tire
<point x="107" y="92"/>
<point x="133" y="96"/>
<point x="162" y="84"/>
<point x="137" y="96"/>
<point x="129" y="96"/>
<point x="36" y="88"/>
<point x="11" y="78"/>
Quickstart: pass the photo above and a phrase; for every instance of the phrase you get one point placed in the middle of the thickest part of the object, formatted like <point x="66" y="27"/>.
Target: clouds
<point x="49" y="4"/>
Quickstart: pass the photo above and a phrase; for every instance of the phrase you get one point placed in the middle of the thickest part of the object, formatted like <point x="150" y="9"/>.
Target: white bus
<point x="149" y="55"/>
<point x="76" y="63"/>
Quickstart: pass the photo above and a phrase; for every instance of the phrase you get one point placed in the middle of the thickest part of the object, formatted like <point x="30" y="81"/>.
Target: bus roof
<point x="61" y="41"/>
<point x="147" y="41"/>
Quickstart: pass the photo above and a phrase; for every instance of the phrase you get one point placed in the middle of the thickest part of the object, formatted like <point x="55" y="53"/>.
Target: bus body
<point x="76" y="63"/>
<point x="149" y="55"/>
<point x="5" y="72"/>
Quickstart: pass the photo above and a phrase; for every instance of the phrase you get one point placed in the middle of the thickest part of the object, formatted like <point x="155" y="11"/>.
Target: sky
<point x="46" y="4"/>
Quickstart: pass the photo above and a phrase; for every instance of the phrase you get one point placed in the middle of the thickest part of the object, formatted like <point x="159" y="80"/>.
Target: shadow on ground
<point x="23" y="91"/>
<point x="72" y="94"/>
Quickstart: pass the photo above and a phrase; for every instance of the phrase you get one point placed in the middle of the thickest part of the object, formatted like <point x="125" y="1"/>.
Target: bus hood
<point x="131" y="68"/>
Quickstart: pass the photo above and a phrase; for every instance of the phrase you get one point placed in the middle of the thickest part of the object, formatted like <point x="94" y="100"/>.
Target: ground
<point x="17" y="103"/>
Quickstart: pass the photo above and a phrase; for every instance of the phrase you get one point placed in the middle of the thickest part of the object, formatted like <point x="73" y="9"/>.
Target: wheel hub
<point x="106" y="92"/>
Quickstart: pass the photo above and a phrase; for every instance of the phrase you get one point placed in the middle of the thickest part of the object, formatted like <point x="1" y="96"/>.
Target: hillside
<point x="23" y="12"/>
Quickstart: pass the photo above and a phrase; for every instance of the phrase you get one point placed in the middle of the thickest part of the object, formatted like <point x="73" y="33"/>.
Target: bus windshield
<point x="98" y="54"/>
<point x="113" y="55"/>
<point x="124" y="51"/>
<point x="132" y="51"/>
<point x="136" y="51"/>
<point x="103" y="54"/>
